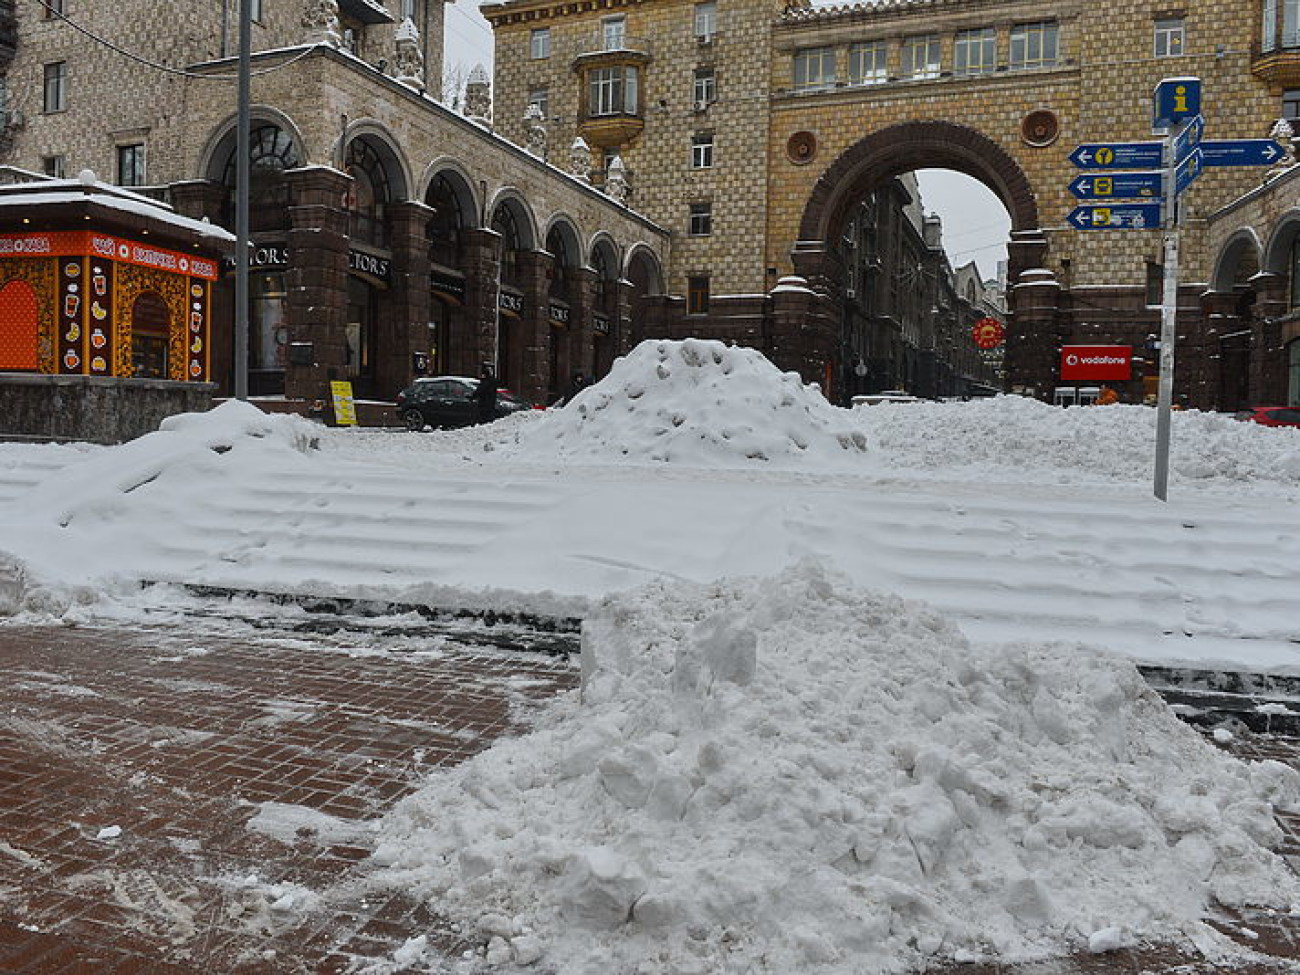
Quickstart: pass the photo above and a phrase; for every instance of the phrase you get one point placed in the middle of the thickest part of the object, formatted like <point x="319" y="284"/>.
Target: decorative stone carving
<point x="409" y="59"/>
<point x="535" y="126"/>
<point x="321" y="19"/>
<point x="478" y="96"/>
<point x="616" y="185"/>
<point x="580" y="158"/>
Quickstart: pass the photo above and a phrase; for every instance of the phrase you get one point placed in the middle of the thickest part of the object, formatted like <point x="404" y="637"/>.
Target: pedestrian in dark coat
<point x="486" y="395"/>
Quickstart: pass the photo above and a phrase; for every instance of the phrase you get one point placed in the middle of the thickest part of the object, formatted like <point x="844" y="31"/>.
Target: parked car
<point x="1271" y="416"/>
<point x="448" y="401"/>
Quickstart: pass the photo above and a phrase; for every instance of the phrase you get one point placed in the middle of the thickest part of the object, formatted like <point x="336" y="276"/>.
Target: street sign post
<point x="1187" y="171"/>
<point x="1134" y="216"/>
<point x="1241" y="152"/>
<point x="1175" y="99"/>
<point x="1120" y="186"/>
<point x="1118" y="155"/>
<point x="1188" y="138"/>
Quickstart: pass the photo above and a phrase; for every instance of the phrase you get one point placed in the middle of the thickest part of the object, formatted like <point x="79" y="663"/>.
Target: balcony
<point x="1279" y="66"/>
<point x="599" y="49"/>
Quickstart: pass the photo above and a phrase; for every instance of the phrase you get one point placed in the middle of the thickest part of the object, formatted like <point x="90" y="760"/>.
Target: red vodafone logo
<point x="1096" y="362"/>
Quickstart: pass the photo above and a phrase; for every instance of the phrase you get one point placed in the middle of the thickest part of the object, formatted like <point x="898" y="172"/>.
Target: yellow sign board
<point x="345" y="412"/>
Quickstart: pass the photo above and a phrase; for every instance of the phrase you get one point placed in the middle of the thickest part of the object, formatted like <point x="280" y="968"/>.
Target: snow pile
<point x="1006" y="434"/>
<point x="790" y="775"/>
<point x="697" y="403"/>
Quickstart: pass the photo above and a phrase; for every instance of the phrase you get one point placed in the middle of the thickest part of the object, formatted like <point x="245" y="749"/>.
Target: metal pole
<point x="1168" y="319"/>
<point x="242" y="139"/>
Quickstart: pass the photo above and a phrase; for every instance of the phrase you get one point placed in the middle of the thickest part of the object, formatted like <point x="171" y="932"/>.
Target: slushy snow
<point x="792" y="775"/>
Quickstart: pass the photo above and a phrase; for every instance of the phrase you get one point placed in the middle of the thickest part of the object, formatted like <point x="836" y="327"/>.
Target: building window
<point x="255" y="10"/>
<point x="814" y="67"/>
<point x="1170" y="35"/>
<point x="706" y="20"/>
<point x="539" y="43"/>
<point x="975" y="51"/>
<point x="408" y="9"/>
<point x="1290" y="25"/>
<point x="1033" y="45"/>
<point x="613" y="33"/>
<point x="56" y="166"/>
<point x="1295" y="274"/>
<point x="130" y="165"/>
<point x="702" y="150"/>
<point x="867" y="63"/>
<point x="921" y="56"/>
<point x="52" y="9"/>
<point x="541" y="97"/>
<point x="56" y="87"/>
<point x="701" y="224"/>
<point x="1155" y="284"/>
<point x="697" y="295"/>
<point x="612" y="91"/>
<point x="1291" y="107"/>
<point x="705" y="91"/>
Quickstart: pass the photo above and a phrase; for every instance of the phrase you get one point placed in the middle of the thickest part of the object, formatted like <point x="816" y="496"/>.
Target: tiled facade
<point x="377" y="214"/>
<point x="833" y="133"/>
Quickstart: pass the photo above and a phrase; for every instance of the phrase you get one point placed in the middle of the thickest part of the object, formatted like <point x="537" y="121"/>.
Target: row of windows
<point x="130" y="165"/>
<point x="612" y="91"/>
<point x="974" y="52"/>
<point x="613" y="31"/>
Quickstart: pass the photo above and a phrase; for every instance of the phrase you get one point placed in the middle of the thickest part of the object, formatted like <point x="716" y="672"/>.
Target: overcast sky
<point x="976" y="225"/>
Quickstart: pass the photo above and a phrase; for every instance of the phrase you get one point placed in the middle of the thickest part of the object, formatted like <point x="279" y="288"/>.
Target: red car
<point x="1271" y="416"/>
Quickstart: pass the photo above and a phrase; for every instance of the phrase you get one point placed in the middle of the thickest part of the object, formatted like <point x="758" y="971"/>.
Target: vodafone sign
<point x="1096" y="362"/>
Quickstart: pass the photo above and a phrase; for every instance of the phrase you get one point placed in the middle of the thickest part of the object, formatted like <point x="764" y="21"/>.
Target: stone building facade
<point x="390" y="236"/>
<point x="849" y="96"/>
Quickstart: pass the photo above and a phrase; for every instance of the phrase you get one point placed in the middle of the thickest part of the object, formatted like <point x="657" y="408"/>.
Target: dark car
<point x="1271" y="416"/>
<point x="448" y="401"/>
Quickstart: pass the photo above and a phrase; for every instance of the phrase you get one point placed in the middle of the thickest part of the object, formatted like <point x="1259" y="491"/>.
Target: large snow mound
<point x="791" y="775"/>
<point x="1007" y="434"/>
<point x="696" y="403"/>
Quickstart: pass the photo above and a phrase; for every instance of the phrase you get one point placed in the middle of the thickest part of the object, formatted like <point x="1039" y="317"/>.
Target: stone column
<point x="582" y="326"/>
<point x="482" y="268"/>
<point x="404" y="324"/>
<point x="317" y="280"/>
<point x="199" y="198"/>
<point x="1268" y="367"/>
<point x="1220" y="310"/>
<point x="535" y="330"/>
<point x="1034" y="341"/>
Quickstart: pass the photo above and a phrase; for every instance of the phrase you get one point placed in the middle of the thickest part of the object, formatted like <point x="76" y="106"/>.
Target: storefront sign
<point x="1096" y="362"/>
<point x="448" y="285"/>
<point x="81" y="243"/>
<point x="511" y="302"/>
<point x="600" y="324"/>
<point x="372" y="264"/>
<point x="558" y="313"/>
<point x="988" y="333"/>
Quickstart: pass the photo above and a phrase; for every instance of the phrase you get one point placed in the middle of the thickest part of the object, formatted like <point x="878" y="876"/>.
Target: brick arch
<point x="907" y="146"/>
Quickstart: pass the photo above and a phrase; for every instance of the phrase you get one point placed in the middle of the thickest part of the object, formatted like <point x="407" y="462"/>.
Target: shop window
<point x="368" y="194"/>
<point x="150" y="329"/>
<point x="697" y="295"/>
<point x="814" y="68"/>
<point x="55" y="166"/>
<point x="1170" y="36"/>
<point x="270" y="335"/>
<point x="1293" y="373"/>
<point x="270" y="152"/>
<point x="359" y="331"/>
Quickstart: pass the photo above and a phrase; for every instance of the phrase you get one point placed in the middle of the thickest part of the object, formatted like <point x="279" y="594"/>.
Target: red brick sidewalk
<point x="179" y="740"/>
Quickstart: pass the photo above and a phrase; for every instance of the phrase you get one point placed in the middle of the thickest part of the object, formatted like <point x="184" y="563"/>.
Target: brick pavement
<point x="186" y="741"/>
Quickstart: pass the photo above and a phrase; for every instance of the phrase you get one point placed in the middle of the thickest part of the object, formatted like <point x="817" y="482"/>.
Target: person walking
<point x="486" y="395"/>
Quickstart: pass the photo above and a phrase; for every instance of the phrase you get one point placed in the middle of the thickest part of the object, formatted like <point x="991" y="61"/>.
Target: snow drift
<point x="697" y="403"/>
<point x="791" y="775"/>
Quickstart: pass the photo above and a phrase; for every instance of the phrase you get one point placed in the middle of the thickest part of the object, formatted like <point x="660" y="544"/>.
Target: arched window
<point x="443" y="228"/>
<point x="368" y="194"/>
<point x="504" y="223"/>
<point x="270" y="152"/>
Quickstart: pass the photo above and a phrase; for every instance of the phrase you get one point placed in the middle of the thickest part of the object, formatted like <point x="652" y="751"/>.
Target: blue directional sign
<point x="1241" y="152"/>
<point x="1188" y="171"/>
<point x="1188" y="139"/>
<point x="1175" y="99"/>
<point x="1119" y="186"/>
<point x="1118" y="155"/>
<point x="1133" y="216"/>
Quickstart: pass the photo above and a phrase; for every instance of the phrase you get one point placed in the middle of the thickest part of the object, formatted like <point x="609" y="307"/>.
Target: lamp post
<point x="241" y="202"/>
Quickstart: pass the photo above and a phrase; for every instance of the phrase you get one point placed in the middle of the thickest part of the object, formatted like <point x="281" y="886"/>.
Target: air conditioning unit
<point x="850" y="293"/>
<point x="701" y="106"/>
<point x="704" y="39"/>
